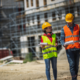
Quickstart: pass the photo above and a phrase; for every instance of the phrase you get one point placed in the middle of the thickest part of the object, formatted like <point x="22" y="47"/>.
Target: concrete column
<point x="24" y="49"/>
<point x="35" y="20"/>
<point x="25" y="5"/>
<point x="63" y="14"/>
<point x="41" y="3"/>
<point x="29" y="3"/>
<point x="37" y="47"/>
<point x="76" y="12"/>
<point x="42" y="18"/>
<point x="57" y="17"/>
<point x="34" y="3"/>
<point x="26" y="23"/>
<point x="50" y="17"/>
<point x="31" y="21"/>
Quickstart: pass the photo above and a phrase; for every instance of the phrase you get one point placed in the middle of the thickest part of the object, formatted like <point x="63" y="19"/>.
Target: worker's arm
<point x="56" y="43"/>
<point x="42" y="46"/>
<point x="62" y="38"/>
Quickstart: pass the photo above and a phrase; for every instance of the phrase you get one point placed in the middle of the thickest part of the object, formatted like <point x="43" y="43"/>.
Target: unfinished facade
<point x="7" y="7"/>
<point x="25" y="26"/>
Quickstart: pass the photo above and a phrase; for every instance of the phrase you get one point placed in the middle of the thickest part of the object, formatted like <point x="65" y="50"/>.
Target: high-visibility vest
<point x="72" y="37"/>
<point x="49" y="51"/>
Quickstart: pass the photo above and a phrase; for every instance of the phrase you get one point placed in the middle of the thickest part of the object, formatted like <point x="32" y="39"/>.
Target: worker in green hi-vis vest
<point x="49" y="51"/>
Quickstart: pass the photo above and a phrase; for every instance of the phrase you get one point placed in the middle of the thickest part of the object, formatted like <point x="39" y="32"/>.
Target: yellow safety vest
<point x="49" y="51"/>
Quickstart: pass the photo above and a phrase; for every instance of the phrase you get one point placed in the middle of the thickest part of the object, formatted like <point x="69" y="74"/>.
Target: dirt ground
<point x="34" y="71"/>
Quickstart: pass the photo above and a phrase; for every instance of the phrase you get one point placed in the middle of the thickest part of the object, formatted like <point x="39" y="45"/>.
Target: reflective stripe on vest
<point x="48" y="47"/>
<point x="76" y="41"/>
<point x="72" y="37"/>
<point x="49" y="51"/>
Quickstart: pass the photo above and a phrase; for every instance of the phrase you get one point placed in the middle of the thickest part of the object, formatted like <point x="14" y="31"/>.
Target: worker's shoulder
<point x="53" y="34"/>
<point x="64" y="26"/>
<point x="77" y="24"/>
<point x="43" y="35"/>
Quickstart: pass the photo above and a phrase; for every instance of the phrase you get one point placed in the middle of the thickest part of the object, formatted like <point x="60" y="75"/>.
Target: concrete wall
<point x="57" y="23"/>
<point x="41" y="3"/>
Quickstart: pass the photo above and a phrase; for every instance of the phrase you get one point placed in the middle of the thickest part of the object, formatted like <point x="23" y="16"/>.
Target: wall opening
<point x="70" y="10"/>
<point x="37" y="3"/>
<point x="45" y="3"/>
<point x="31" y="2"/>
<point x="78" y="10"/>
<point x="53" y="16"/>
<point x="21" y="27"/>
<point x="38" y="21"/>
<point x="60" y="15"/>
<point x="28" y="20"/>
<point x="27" y="3"/>
<point x="46" y="17"/>
<point x="31" y="45"/>
<point x="33" y="19"/>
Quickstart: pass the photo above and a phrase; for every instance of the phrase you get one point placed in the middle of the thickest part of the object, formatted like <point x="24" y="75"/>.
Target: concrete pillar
<point x="31" y="21"/>
<point x="76" y="12"/>
<point x="57" y="17"/>
<point x="34" y="3"/>
<point x="42" y="18"/>
<point x="26" y="22"/>
<point x="29" y="3"/>
<point x="35" y="20"/>
<point x="37" y="47"/>
<point x="41" y="3"/>
<point x="37" y="42"/>
<point x="63" y="14"/>
<point x="50" y="17"/>
<point x="24" y="49"/>
<point x="24" y="4"/>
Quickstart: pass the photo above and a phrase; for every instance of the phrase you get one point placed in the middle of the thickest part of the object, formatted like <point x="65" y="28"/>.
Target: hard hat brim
<point x="70" y="21"/>
<point x="46" y="27"/>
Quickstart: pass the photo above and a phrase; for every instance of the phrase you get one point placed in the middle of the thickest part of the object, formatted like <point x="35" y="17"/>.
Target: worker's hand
<point x="56" y="44"/>
<point x="49" y="45"/>
<point x="65" y="45"/>
<point x="79" y="40"/>
<point x="42" y="46"/>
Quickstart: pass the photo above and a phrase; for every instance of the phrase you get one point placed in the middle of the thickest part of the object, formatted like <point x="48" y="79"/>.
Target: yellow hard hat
<point x="69" y="17"/>
<point x="45" y="25"/>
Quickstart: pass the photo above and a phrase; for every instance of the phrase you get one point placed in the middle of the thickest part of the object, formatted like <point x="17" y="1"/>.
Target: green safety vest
<point x="49" y="51"/>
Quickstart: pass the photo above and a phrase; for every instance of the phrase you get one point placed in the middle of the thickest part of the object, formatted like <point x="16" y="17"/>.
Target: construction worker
<point x="49" y="51"/>
<point x="71" y="32"/>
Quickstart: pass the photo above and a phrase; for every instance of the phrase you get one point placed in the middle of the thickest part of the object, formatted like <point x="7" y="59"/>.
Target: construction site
<point x="20" y="33"/>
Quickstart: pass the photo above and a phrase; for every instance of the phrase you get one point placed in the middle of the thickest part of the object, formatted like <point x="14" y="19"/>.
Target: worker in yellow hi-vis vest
<point x="49" y="51"/>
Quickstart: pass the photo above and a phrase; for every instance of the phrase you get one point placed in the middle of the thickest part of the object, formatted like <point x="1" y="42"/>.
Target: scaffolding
<point x="25" y="26"/>
<point x="5" y="10"/>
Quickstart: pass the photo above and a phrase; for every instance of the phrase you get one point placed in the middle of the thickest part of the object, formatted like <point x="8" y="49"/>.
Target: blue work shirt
<point x="62" y="37"/>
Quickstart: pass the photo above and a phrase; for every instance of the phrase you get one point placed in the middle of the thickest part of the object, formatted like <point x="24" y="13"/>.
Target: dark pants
<point x="54" y="66"/>
<point x="73" y="59"/>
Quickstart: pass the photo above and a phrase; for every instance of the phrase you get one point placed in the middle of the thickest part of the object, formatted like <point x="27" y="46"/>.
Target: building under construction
<point x="23" y="26"/>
